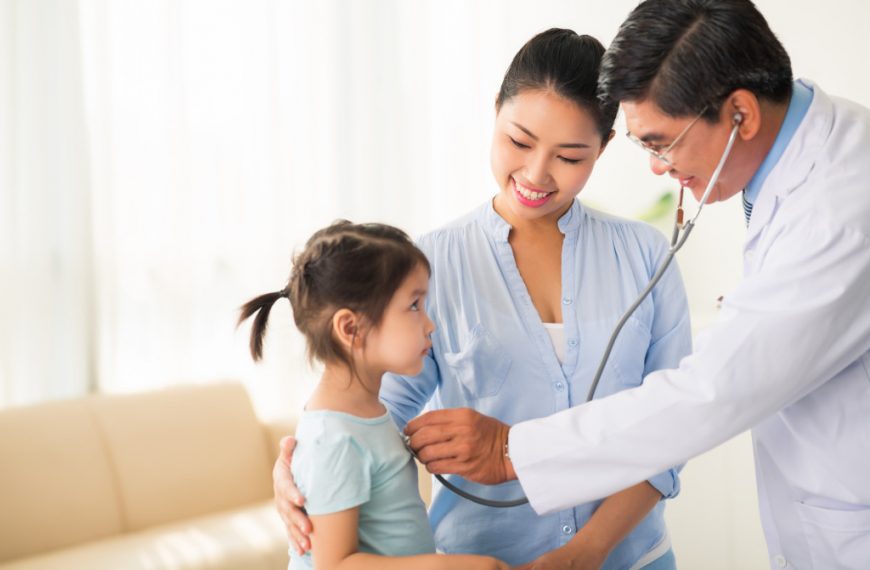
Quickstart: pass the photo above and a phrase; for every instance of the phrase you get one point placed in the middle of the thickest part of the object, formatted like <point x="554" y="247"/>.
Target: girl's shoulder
<point x="317" y="424"/>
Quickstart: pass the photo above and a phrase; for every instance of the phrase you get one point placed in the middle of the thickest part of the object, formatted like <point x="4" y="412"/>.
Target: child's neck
<point x="340" y="390"/>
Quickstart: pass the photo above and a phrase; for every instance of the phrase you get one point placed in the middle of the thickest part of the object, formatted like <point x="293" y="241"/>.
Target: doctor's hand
<point x="288" y="500"/>
<point x="464" y="442"/>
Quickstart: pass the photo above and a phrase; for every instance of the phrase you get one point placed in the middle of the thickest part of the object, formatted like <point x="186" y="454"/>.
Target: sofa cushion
<point x="56" y="481"/>
<point x="252" y="538"/>
<point x="184" y="452"/>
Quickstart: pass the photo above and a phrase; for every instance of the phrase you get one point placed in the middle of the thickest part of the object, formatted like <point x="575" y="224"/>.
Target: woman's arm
<point x="609" y="525"/>
<point x="335" y="542"/>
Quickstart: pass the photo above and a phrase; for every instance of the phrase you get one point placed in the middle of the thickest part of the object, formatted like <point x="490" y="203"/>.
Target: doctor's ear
<point x="743" y="107"/>
<point x="347" y="328"/>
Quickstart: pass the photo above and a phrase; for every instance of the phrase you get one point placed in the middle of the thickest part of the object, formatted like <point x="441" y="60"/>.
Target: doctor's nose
<point x="658" y="166"/>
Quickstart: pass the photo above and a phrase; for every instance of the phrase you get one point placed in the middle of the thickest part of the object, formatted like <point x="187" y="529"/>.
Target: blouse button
<point x="566" y="529"/>
<point x="559" y="386"/>
<point x="566" y="301"/>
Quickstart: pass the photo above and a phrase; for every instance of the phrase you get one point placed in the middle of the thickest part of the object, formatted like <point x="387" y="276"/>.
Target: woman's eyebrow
<point x="532" y="135"/>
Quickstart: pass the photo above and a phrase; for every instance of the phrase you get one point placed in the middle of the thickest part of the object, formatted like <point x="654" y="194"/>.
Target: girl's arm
<point x="334" y="543"/>
<point x="609" y="525"/>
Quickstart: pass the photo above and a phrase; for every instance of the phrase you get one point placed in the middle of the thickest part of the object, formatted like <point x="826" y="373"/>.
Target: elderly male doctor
<point x="790" y="355"/>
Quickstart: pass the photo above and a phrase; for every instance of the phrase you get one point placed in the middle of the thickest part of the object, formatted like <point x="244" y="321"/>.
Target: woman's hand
<point x="567" y="558"/>
<point x="464" y="442"/>
<point x="288" y="500"/>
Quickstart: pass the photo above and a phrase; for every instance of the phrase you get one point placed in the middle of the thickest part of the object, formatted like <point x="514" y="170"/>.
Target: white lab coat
<point x="788" y="357"/>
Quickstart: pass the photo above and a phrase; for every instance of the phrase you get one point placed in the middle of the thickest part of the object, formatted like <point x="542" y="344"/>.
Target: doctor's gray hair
<point x="685" y="55"/>
<point x="565" y="63"/>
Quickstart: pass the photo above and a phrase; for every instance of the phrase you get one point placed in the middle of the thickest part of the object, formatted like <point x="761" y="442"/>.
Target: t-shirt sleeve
<point x="333" y="473"/>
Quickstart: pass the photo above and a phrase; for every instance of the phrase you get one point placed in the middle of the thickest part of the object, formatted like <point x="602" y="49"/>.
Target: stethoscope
<point x="678" y="238"/>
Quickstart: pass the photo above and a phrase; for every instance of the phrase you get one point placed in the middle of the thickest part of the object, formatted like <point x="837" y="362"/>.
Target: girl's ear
<point x="346" y="328"/>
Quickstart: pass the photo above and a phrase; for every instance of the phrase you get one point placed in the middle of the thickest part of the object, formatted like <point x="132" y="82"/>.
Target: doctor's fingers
<point x="440" y="451"/>
<point x="453" y="416"/>
<point x="431" y="435"/>
<point x="447" y="467"/>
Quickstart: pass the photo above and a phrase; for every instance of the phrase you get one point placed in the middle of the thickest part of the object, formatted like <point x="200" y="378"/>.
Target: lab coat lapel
<point x="793" y="167"/>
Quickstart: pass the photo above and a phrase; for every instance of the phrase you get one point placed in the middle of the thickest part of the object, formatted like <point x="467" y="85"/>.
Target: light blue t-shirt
<point x="491" y="352"/>
<point x="343" y="461"/>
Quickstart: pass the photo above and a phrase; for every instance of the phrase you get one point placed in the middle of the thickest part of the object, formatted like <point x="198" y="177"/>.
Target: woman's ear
<point x="606" y="140"/>
<point x="346" y="328"/>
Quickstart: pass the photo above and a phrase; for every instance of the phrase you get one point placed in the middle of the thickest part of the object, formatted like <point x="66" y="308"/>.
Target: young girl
<point x="525" y="291"/>
<point x="357" y="292"/>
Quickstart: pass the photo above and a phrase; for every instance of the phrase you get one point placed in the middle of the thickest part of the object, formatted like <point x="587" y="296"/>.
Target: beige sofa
<point x="174" y="479"/>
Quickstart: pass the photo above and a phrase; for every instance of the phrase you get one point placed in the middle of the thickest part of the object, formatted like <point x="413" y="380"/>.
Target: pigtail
<point x="261" y="305"/>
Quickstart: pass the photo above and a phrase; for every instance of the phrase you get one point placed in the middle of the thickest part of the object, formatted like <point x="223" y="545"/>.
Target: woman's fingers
<point x="288" y="498"/>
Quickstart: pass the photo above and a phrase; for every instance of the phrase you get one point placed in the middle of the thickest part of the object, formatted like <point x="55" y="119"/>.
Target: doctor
<point x="790" y="355"/>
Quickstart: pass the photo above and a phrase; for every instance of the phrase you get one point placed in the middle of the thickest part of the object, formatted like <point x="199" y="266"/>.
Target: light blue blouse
<point x="492" y="353"/>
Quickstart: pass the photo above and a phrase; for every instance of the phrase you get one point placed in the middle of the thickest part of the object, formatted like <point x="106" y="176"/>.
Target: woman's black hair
<point x="561" y="61"/>
<point x="345" y="265"/>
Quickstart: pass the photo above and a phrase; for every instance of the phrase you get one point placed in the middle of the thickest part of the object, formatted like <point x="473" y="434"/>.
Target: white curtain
<point x="47" y="344"/>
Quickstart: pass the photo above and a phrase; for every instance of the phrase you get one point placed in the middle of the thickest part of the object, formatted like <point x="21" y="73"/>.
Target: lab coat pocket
<point x="836" y="538"/>
<point x="629" y="353"/>
<point x="481" y="366"/>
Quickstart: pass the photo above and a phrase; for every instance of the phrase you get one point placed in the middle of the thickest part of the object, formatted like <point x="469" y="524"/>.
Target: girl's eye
<point x="518" y="144"/>
<point x="570" y="160"/>
<point x="415" y="306"/>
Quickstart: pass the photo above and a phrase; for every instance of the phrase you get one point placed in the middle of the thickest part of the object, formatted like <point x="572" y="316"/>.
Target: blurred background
<point x="160" y="161"/>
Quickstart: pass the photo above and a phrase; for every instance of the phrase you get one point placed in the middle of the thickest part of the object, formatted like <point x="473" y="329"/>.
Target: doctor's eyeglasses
<point x="656" y="151"/>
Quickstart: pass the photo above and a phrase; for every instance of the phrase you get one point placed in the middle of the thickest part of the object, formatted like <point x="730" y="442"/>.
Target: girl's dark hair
<point x="689" y="55"/>
<point x="345" y="265"/>
<point x="563" y="62"/>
